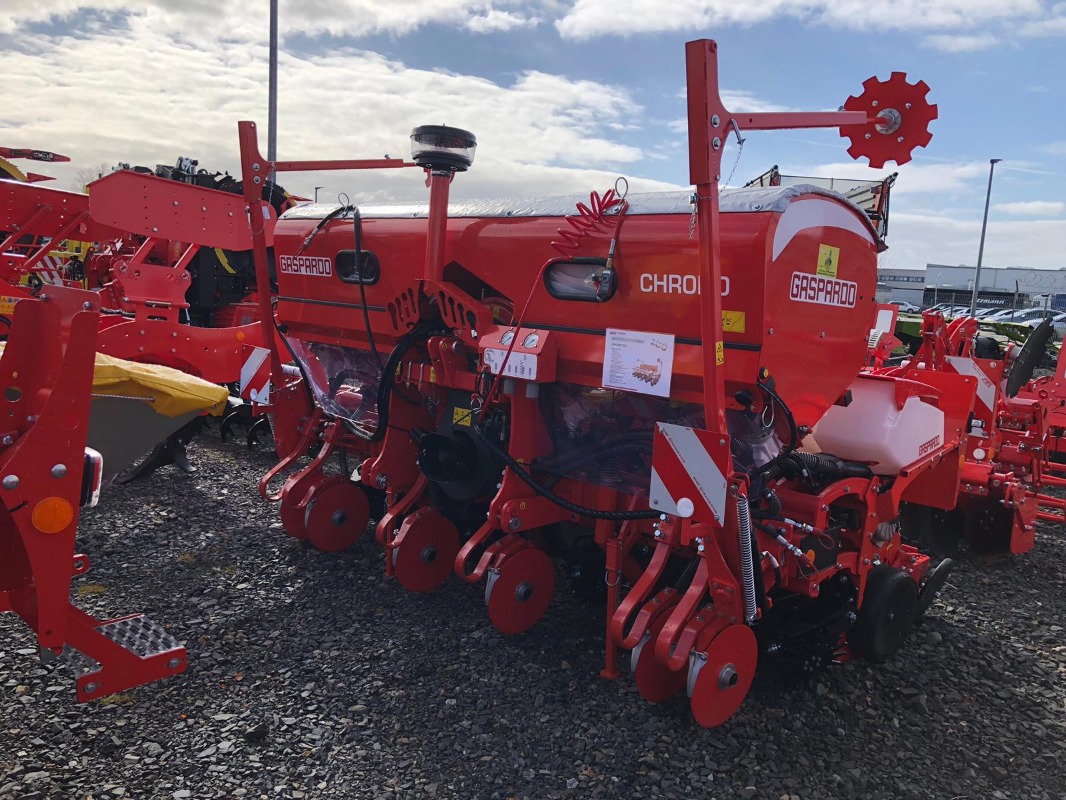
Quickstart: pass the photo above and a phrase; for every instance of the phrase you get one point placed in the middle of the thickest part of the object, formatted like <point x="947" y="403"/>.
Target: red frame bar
<point x="709" y="125"/>
<point x="255" y="170"/>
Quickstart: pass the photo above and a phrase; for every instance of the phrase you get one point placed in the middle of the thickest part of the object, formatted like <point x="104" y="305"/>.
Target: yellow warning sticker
<point x="462" y="416"/>
<point x="733" y="321"/>
<point x="7" y="305"/>
<point x="432" y="374"/>
<point x="828" y="260"/>
<point x="719" y="353"/>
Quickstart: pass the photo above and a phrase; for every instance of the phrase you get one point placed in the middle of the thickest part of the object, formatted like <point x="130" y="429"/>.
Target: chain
<point x="740" y="150"/>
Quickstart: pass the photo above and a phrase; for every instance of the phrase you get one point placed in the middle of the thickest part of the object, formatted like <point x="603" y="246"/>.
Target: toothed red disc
<point x="902" y="120"/>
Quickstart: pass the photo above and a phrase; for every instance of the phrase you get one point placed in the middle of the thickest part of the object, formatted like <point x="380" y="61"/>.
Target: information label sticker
<point x="828" y="260"/>
<point x="519" y="365"/>
<point x="637" y="361"/>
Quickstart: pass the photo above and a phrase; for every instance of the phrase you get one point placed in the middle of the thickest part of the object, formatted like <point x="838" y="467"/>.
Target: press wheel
<point x="724" y="677"/>
<point x="337" y="514"/>
<point x="655" y="681"/>
<point x="519" y="590"/>
<point x="291" y="508"/>
<point x="888" y="610"/>
<point x="427" y="546"/>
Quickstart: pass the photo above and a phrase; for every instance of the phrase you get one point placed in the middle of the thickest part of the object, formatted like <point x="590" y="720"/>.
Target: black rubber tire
<point x="886" y="615"/>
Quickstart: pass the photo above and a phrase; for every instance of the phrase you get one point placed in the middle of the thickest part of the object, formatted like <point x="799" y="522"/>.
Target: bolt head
<point x="59" y="471"/>
<point x="10" y="482"/>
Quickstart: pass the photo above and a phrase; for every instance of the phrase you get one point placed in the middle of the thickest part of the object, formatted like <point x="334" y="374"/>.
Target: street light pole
<point x="984" y="225"/>
<point x="272" y="87"/>
<point x="316" y="192"/>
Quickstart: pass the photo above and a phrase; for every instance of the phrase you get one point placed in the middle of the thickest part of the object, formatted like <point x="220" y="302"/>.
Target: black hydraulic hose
<point x="793" y="430"/>
<point x="798" y="463"/>
<point x="831" y="465"/>
<point x="773" y="509"/>
<point x="545" y="492"/>
<point x="338" y="211"/>
<point x="357" y="225"/>
<point x="388" y="374"/>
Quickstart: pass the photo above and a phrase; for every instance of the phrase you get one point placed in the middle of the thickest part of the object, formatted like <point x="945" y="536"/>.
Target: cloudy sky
<point x="563" y="95"/>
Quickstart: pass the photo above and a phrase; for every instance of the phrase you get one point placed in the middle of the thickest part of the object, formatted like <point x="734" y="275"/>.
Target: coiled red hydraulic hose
<point x="589" y="219"/>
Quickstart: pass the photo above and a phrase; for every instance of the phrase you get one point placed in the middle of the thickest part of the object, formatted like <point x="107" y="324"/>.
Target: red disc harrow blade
<point x="902" y="120"/>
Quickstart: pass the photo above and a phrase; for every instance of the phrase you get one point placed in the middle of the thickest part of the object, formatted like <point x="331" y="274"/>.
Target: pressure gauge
<point x="507" y="338"/>
<point x="531" y="341"/>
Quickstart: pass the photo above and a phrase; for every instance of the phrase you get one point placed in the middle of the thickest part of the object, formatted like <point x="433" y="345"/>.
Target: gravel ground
<point x="313" y="676"/>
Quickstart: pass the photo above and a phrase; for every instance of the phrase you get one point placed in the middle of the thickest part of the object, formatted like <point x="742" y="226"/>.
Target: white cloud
<point x="155" y="96"/>
<point x="1032" y="208"/>
<point x="917" y="239"/>
<point x="740" y="101"/>
<point x="591" y="18"/>
<point x="1055" y="148"/>
<point x="961" y="42"/>
<point x="210" y="18"/>
<point x="1040" y="29"/>
<point x="495" y="20"/>
<point x="913" y="178"/>
<point x="942" y="235"/>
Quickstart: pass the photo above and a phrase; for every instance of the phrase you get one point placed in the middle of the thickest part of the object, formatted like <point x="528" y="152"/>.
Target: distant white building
<point x="1000" y="286"/>
<point x="906" y="284"/>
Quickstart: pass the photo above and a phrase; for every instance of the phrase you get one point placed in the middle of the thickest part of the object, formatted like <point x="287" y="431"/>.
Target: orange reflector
<point x="240" y="336"/>
<point x="52" y="515"/>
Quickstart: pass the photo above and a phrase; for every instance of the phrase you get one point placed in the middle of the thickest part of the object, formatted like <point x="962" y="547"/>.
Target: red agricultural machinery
<point x="1014" y="442"/>
<point x="46" y="474"/>
<point x="666" y="391"/>
<point x="10" y="172"/>
<point x="169" y="255"/>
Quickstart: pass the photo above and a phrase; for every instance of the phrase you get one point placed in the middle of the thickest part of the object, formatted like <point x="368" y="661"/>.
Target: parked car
<point x="940" y="307"/>
<point x="1019" y="315"/>
<point x="1058" y="322"/>
<point x="905" y="307"/>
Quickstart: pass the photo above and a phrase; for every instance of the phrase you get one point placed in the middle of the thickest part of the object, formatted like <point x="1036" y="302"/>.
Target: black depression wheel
<point x="887" y="613"/>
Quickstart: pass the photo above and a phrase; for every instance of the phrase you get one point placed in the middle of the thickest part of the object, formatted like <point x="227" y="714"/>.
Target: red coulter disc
<point x="724" y="679"/>
<point x="428" y="544"/>
<point x="655" y="681"/>
<point x="291" y="512"/>
<point x="337" y="514"/>
<point x="903" y="120"/>
<point x="519" y="595"/>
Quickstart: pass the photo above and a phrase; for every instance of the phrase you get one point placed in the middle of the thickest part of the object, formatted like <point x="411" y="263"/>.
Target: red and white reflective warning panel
<point x="255" y="374"/>
<point x="686" y="479"/>
<point x="986" y="389"/>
